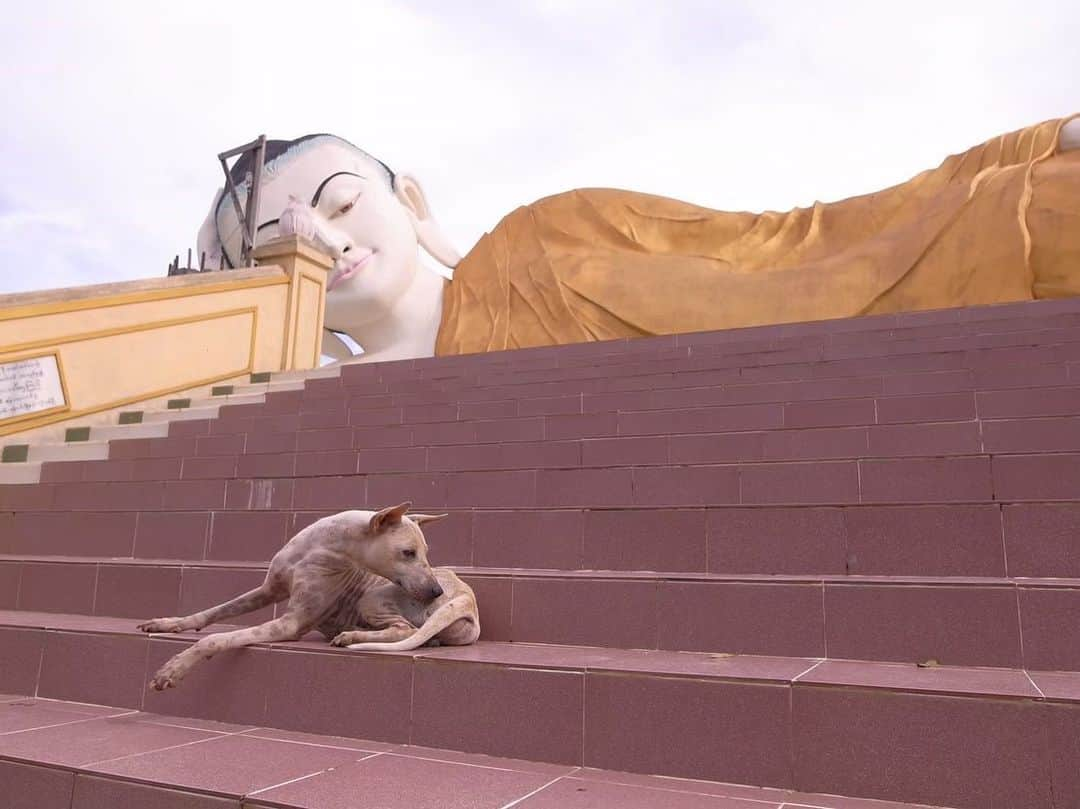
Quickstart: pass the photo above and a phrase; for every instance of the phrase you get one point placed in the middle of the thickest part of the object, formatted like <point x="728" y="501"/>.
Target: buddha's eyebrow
<point x="322" y="185"/>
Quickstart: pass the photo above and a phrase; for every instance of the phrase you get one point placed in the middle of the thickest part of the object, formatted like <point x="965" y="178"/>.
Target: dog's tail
<point x="453" y="610"/>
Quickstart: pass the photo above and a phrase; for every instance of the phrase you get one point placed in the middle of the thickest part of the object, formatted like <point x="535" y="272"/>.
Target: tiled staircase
<point x="22" y="455"/>
<point x="836" y="558"/>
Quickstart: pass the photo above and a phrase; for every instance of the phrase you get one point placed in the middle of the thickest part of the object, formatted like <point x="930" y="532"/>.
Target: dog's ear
<point x="420" y="519"/>
<point x="387" y="517"/>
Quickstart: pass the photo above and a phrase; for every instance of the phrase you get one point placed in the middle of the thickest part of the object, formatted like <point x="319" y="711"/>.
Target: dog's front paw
<point x="345" y="638"/>
<point x="168" y="676"/>
<point x="161" y="682"/>
<point x="163" y="625"/>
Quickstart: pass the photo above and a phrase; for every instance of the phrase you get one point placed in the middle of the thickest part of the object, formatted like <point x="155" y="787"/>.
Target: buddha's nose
<point x="337" y="243"/>
<point x="342" y="248"/>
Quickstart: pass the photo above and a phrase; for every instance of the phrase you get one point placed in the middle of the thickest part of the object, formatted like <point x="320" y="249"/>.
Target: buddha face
<point x="367" y="228"/>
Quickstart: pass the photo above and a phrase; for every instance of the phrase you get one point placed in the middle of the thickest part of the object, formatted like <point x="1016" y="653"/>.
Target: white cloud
<point x="114" y="111"/>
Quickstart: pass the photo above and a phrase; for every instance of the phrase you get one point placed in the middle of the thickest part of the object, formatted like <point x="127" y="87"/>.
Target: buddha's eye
<point x="348" y="206"/>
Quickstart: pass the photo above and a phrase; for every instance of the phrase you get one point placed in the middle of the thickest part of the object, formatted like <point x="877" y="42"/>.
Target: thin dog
<point x="361" y="578"/>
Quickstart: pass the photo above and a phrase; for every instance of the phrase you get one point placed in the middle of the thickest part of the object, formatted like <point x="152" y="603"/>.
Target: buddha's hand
<point x="298" y="220"/>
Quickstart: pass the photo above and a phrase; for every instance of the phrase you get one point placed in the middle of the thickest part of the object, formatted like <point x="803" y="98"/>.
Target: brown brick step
<point x="957" y="621"/>
<point x="950" y="736"/>
<point x="622" y="415"/>
<point x="993" y="326"/>
<point x="773" y="405"/>
<point x="437" y="380"/>
<point x="696" y="364"/>
<point x="978" y="478"/>
<point x="328" y="452"/>
<point x="675" y="383"/>
<point x="1040" y="340"/>
<point x="60" y="757"/>
<point x="870" y="444"/>
<point x="325" y="403"/>
<point x="1022" y="539"/>
<point x="841" y="339"/>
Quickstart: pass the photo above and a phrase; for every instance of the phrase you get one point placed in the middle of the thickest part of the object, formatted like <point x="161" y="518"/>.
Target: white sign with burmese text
<point x="30" y="386"/>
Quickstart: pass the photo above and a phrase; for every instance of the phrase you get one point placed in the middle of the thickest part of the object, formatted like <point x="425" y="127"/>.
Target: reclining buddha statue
<point x="999" y="222"/>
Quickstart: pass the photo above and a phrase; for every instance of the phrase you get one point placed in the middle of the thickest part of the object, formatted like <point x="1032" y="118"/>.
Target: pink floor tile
<point x="90" y="668"/>
<point x="194" y="723"/>
<point x="10" y="573"/>
<point x="58" y="587"/>
<point x="766" y="795"/>
<point x="230" y="687"/>
<point x="621" y="613"/>
<point x="937" y="540"/>
<point x="96" y="740"/>
<point x="956" y="625"/>
<point x="696" y="664"/>
<point x="21" y="660"/>
<point x="645" y="540"/>
<point x="718" y="730"/>
<point x="30" y="714"/>
<point x="573" y="793"/>
<point x="482" y="760"/>
<point x="934" y="680"/>
<point x="364" y="746"/>
<point x="1059" y="685"/>
<point x="203" y="587"/>
<point x="1063" y="723"/>
<point x="391" y="780"/>
<point x="776" y="540"/>
<point x="137" y="591"/>
<point x="171" y="535"/>
<point x="339" y="692"/>
<point x="741" y="618"/>
<point x="468" y="707"/>
<point x="26" y="787"/>
<point x="971" y="753"/>
<point x="572" y="658"/>
<point x="229" y="765"/>
<point x="543" y="539"/>
<point x="109" y="793"/>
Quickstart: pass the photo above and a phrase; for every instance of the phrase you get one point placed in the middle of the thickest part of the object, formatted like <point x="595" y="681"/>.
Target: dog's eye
<point x="409" y="554"/>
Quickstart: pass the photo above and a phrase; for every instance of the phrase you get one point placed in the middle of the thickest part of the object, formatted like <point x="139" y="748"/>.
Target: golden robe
<point x="1000" y="222"/>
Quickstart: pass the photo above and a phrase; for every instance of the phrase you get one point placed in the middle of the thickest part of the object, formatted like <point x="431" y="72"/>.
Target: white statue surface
<point x="986" y="226"/>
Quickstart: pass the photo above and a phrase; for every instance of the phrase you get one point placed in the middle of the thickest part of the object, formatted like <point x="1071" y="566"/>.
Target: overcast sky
<point x="113" y="111"/>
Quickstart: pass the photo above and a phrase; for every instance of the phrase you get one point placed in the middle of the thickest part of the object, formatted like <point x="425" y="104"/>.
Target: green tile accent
<point x="178" y="404"/>
<point x="131" y="417"/>
<point x="15" y="453"/>
<point x="221" y="390"/>
<point x="262" y="376"/>
<point x="77" y="434"/>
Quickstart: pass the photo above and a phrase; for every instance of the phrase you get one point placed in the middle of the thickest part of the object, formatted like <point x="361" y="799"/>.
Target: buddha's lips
<point x="337" y="276"/>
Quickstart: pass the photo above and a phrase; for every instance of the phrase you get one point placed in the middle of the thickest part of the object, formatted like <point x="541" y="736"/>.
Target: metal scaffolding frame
<point x="246" y="213"/>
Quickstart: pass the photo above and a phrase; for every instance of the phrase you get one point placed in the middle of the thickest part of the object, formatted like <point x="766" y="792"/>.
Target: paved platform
<point x="68" y="755"/>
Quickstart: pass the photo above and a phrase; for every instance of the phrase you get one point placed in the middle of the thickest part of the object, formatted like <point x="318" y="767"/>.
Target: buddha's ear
<point x="428" y="232"/>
